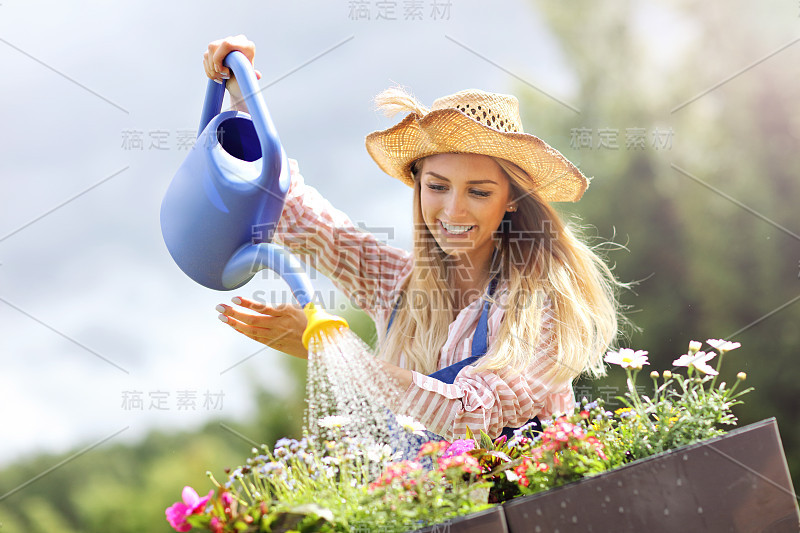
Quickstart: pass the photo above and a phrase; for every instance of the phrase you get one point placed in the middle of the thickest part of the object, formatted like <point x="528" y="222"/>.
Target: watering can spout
<point x="320" y="324"/>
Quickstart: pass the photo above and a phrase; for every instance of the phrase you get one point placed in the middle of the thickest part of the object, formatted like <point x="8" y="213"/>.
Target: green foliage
<point x="125" y="488"/>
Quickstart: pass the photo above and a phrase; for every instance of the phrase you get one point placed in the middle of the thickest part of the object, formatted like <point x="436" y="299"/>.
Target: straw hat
<point x="476" y="122"/>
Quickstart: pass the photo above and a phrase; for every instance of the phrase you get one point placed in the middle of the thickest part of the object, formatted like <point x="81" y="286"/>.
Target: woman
<point x="499" y="308"/>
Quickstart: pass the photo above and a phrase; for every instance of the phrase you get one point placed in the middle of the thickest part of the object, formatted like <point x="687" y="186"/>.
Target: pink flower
<point x="466" y="463"/>
<point x="192" y="504"/>
<point x="394" y="471"/>
<point x="459" y="447"/>
<point x="432" y="448"/>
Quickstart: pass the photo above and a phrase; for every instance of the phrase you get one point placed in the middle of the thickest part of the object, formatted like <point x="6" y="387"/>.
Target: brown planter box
<point x="736" y="482"/>
<point x="489" y="521"/>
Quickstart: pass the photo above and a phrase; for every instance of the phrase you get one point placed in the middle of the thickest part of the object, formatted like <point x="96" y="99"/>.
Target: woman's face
<point x="464" y="198"/>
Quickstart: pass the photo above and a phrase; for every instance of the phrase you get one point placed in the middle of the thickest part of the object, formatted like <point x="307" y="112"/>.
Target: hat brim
<point x="553" y="177"/>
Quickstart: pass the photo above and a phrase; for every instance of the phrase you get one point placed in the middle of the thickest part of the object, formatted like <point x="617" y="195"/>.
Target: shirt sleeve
<point x="490" y="400"/>
<point x="364" y="268"/>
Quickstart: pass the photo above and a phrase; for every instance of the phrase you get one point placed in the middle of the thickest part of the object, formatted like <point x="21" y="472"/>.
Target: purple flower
<point x="192" y="504"/>
<point x="459" y="447"/>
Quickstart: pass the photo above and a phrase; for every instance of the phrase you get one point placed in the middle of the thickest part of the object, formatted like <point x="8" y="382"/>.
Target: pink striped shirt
<point x="370" y="272"/>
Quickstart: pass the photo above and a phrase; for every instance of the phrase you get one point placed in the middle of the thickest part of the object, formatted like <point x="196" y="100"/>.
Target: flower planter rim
<point x="771" y="421"/>
<point x="447" y="524"/>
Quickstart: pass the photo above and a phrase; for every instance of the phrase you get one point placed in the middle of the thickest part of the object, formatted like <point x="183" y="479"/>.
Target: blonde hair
<point x="539" y="257"/>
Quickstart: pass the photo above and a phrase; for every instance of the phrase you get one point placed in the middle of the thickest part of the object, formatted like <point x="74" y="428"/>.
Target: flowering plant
<point x="682" y="409"/>
<point x="343" y="483"/>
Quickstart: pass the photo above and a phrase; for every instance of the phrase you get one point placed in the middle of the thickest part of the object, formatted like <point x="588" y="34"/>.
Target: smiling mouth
<point x="452" y="229"/>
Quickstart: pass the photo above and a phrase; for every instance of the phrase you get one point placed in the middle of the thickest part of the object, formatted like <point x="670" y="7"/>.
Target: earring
<point x="511" y="208"/>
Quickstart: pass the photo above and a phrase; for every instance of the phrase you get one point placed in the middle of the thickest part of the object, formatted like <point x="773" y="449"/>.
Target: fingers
<point x="247" y="328"/>
<point x="211" y="69"/>
<point x="259" y="307"/>
<point x="284" y="317"/>
<point x="229" y="314"/>
<point x="286" y="340"/>
<point x="218" y="50"/>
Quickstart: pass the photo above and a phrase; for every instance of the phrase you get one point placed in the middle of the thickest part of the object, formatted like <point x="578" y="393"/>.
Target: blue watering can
<point x="220" y="211"/>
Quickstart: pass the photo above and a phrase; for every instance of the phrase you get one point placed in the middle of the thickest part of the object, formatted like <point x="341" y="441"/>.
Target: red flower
<point x="394" y="471"/>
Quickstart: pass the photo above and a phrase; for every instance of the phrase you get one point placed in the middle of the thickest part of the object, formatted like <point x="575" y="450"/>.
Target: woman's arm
<point x="402" y="376"/>
<point x="365" y="269"/>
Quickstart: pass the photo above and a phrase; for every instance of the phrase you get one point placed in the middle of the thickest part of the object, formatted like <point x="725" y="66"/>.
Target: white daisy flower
<point x="698" y="361"/>
<point x="628" y="358"/>
<point x="723" y="345"/>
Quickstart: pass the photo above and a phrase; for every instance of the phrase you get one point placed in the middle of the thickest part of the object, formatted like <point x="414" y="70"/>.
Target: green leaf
<point x="486" y="441"/>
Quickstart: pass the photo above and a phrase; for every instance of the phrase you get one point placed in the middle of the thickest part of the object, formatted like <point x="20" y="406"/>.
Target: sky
<point x="102" y="335"/>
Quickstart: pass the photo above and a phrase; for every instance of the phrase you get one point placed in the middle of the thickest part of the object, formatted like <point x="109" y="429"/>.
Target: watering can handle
<point x="267" y="134"/>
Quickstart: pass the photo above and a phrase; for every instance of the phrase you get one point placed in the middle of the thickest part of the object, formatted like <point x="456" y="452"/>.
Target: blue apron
<point x="480" y="346"/>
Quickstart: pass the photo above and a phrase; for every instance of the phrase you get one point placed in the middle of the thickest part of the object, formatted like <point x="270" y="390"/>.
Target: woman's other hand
<point x="278" y="327"/>
<point x="216" y="53"/>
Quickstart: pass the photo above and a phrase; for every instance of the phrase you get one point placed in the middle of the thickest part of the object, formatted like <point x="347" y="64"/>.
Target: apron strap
<point x="480" y="345"/>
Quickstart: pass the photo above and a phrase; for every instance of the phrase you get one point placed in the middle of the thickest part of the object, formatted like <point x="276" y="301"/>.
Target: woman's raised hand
<point x="278" y="327"/>
<point x="217" y="51"/>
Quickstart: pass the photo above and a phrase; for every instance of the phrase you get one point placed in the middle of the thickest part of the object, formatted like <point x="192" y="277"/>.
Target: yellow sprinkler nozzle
<point x="319" y="322"/>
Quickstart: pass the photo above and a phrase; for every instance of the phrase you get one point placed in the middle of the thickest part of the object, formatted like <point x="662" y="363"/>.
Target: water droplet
<point x="539" y="512"/>
<point x="621" y="510"/>
<point x="685" y="457"/>
<point x="574" y="519"/>
<point x="563" y="505"/>
<point x="699" y="510"/>
<point x="635" y="491"/>
<point x="666" y="512"/>
<point x="679" y="482"/>
<point x="538" y="529"/>
<point x="619" y="483"/>
<point x="608" y="498"/>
